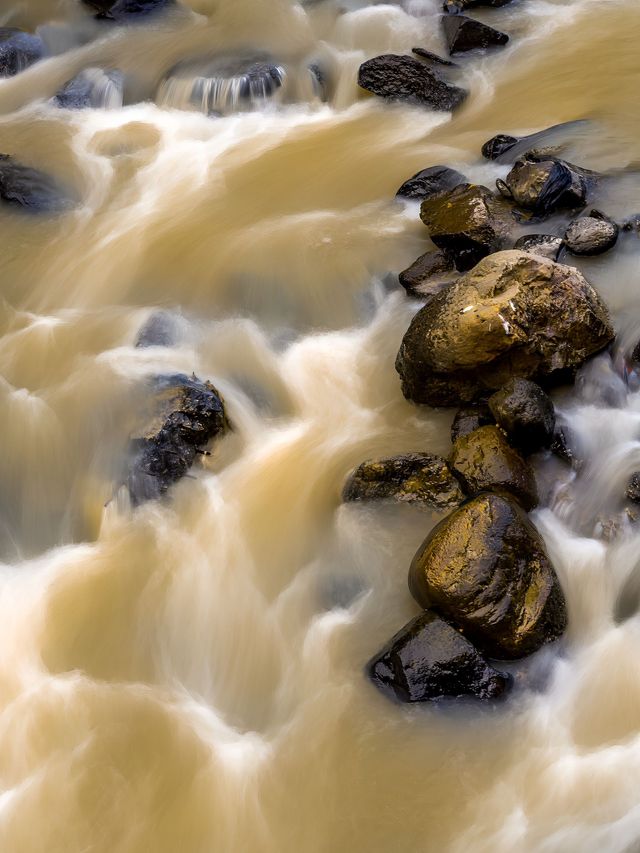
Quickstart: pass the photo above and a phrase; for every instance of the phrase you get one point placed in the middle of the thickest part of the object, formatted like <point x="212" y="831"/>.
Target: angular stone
<point x="545" y="245"/>
<point x="416" y="478"/>
<point x="427" y="275"/>
<point x="463" y="34"/>
<point x="159" y="330"/>
<point x="484" y="461"/>
<point x="485" y="567"/>
<point x="525" y="413"/>
<point x="431" y="182"/>
<point x="428" y="659"/>
<point x="470" y="418"/>
<point x="403" y="78"/>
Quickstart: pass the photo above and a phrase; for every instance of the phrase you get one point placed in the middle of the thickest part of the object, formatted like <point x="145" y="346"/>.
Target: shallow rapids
<point x="189" y="676"/>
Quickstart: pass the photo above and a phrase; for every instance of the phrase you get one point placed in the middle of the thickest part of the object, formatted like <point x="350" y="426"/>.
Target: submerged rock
<point x="123" y="11"/>
<point x="92" y="88"/>
<point x="18" y="50"/>
<point x="467" y="223"/>
<point x="513" y="315"/>
<point x="485" y="567"/>
<point x="545" y="185"/>
<point x="428" y="659"/>
<point x="463" y="34"/>
<point x="498" y="145"/>
<point x="159" y="330"/>
<point x="525" y="413"/>
<point x="29" y="188"/>
<point x="417" y="478"/>
<point x="546" y="245"/>
<point x="470" y="418"/>
<point x="432" y="57"/>
<point x="456" y="6"/>
<point x="591" y="235"/>
<point x="484" y="461"/>
<point x="403" y="78"/>
<point x="431" y="182"/>
<point x="186" y="415"/>
<point x="427" y="275"/>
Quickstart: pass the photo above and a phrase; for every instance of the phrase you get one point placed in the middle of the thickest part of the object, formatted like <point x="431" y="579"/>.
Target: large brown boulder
<point x="485" y="567"/>
<point x="484" y="460"/>
<point x="514" y="314"/>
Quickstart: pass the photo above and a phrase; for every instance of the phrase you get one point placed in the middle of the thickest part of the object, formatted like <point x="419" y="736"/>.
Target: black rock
<point x="403" y="78"/>
<point x="470" y="418"/>
<point x="92" y="88"/>
<point x="431" y="182"/>
<point x="427" y="275"/>
<point x="457" y="6"/>
<point x="525" y="413"/>
<point x="432" y="57"/>
<point x="544" y="186"/>
<point x="591" y="235"/>
<point x="29" y="188"/>
<point x="498" y="145"/>
<point x="125" y="10"/>
<point x="428" y="659"/>
<point x="546" y="245"/>
<point x="463" y="34"/>
<point x="18" y="50"/>
<point x="186" y="415"/>
<point x="561" y="446"/>
<point x="633" y="488"/>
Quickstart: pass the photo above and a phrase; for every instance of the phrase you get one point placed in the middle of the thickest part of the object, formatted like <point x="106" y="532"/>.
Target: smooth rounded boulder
<point x="403" y="78"/>
<point x="545" y="185"/>
<point x="483" y="460"/>
<point x="513" y="314"/>
<point x="498" y="145"/>
<point x="591" y="235"/>
<point x="485" y="568"/>
<point x="431" y="182"/>
<point x="428" y="659"/>
<point x="526" y="413"/>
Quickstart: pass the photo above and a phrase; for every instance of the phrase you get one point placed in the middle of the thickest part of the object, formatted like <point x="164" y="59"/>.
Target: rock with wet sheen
<point x="546" y="245"/>
<point x="526" y="413"/>
<point x="427" y="275"/>
<point x="463" y="34"/>
<point x="432" y="57"/>
<point x="484" y="461"/>
<point x="513" y="315"/>
<point x="416" y="478"/>
<point x="545" y="185"/>
<point x="591" y="235"/>
<point x="498" y="145"/>
<point x="403" y="78"/>
<point x="467" y="223"/>
<point x="431" y="182"/>
<point x="185" y="415"/>
<point x="633" y="487"/>
<point x="428" y="659"/>
<point x="18" y="50"/>
<point x="124" y="11"/>
<point x="457" y="6"/>
<point x="485" y="568"/>
<point x="91" y="89"/>
<point x="30" y="189"/>
<point x="469" y="418"/>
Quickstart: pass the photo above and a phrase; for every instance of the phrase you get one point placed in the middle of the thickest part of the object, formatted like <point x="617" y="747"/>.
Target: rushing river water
<point x="189" y="676"/>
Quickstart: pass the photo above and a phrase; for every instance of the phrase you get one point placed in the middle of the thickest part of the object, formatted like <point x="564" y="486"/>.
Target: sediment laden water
<point x="189" y="676"/>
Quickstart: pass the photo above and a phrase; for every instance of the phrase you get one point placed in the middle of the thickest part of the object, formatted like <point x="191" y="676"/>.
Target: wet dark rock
<point x="484" y="461"/>
<point x="403" y="78"/>
<point x="544" y="186"/>
<point x="432" y="57"/>
<point x="123" y="11"/>
<point x="457" y="6"/>
<point x="416" y="478"/>
<point x="467" y="223"/>
<point x="185" y="414"/>
<point x="525" y="413"/>
<point x="498" y="145"/>
<point x="428" y="659"/>
<point x="513" y="315"/>
<point x="18" y="50"/>
<point x="591" y="235"/>
<point x="485" y="568"/>
<point x="470" y="418"/>
<point x="431" y="182"/>
<point x="427" y="275"/>
<point x="546" y="245"/>
<point x="632" y="223"/>
<point x="633" y="487"/>
<point x="463" y="34"/>
<point x="159" y="330"/>
<point x="29" y="188"/>
<point x="92" y="88"/>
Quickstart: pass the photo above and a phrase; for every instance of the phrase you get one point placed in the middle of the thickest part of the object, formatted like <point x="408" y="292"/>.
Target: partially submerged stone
<point x="29" y="188"/>
<point x="159" y="330"/>
<point x="124" y="11"/>
<point x="513" y="315"/>
<point x="457" y="6"/>
<point x="591" y="235"/>
<point x="432" y="57"/>
<point x="427" y="275"/>
<point x="498" y="145"/>
<point x="526" y="413"/>
<point x="415" y="478"/>
<point x="18" y="50"/>
<point x="428" y="659"/>
<point x="546" y="245"/>
<point x="467" y="223"/>
<point x="485" y="567"/>
<point x="463" y="34"/>
<point x="484" y="461"/>
<point x="470" y="418"/>
<point x="403" y="78"/>
<point x="545" y="185"/>
<point x="92" y="88"/>
<point x="185" y="415"/>
<point x="431" y="182"/>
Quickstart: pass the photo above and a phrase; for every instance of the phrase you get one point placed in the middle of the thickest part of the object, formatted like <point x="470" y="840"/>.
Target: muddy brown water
<point x="188" y="677"/>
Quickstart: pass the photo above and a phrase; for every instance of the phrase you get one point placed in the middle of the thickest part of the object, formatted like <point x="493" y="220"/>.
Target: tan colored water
<point x="189" y="677"/>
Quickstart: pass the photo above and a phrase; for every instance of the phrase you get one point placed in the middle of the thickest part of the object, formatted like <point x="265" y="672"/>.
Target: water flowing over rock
<point x="467" y="223"/>
<point x="463" y="34"/>
<point x="124" y="11"/>
<point x="525" y="413"/>
<point x="186" y="414"/>
<point x="403" y="78"/>
<point x="428" y="659"/>
<point x="485" y="567"/>
<point x="30" y="189"/>
<point x="427" y="275"/>
<point x="513" y="315"/>
<point x="92" y="88"/>
<point x="431" y="182"/>
<point x="591" y="235"/>
<point x="483" y="461"/>
<point x="416" y="478"/>
<point x="546" y="245"/>
<point x="18" y="50"/>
